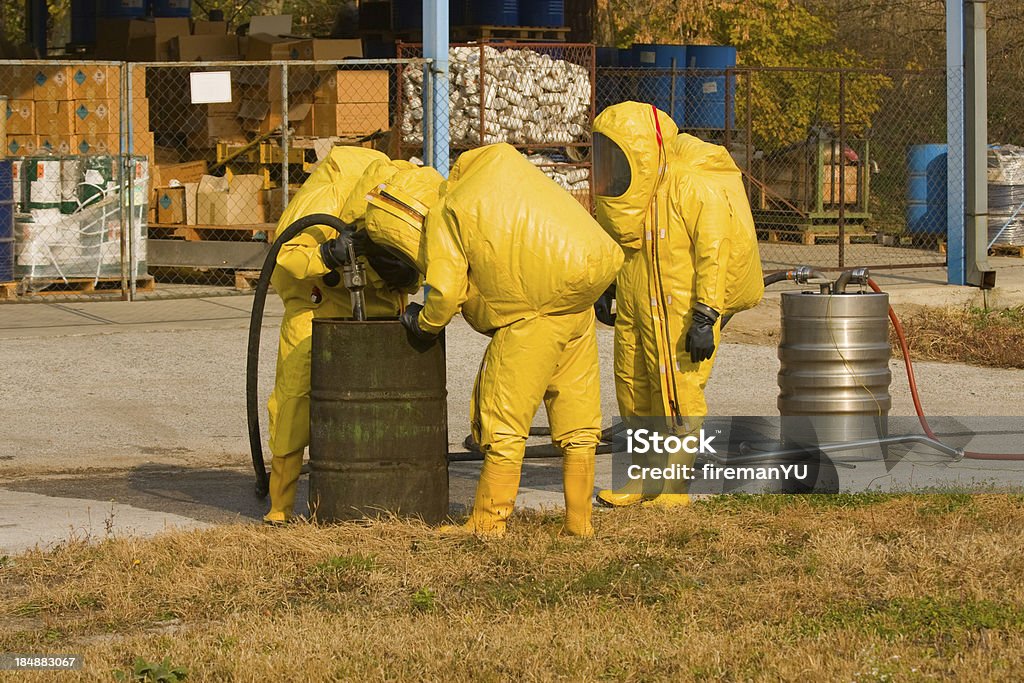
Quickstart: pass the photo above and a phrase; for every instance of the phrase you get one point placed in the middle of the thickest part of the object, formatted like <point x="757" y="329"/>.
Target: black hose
<point x="780" y="276"/>
<point x="252" y="363"/>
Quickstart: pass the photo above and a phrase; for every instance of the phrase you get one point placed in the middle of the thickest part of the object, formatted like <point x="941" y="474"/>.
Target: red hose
<point x="973" y="455"/>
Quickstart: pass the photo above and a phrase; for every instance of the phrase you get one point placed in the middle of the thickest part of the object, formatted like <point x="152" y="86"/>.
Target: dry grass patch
<point x="993" y="338"/>
<point x="858" y="588"/>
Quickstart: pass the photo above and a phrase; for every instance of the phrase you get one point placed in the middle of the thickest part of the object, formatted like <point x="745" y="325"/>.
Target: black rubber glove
<point x="334" y="252"/>
<point x="394" y="270"/>
<point x="700" y="338"/>
<point x="603" y="307"/>
<point x="410" y="320"/>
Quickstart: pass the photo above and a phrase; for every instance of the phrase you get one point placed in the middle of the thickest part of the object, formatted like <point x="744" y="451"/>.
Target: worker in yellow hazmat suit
<point x="678" y="208"/>
<point x="524" y="262"/>
<point x="308" y="282"/>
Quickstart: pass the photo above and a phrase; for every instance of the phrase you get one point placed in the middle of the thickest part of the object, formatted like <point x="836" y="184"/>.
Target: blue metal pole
<point x="956" y="271"/>
<point x="435" y="47"/>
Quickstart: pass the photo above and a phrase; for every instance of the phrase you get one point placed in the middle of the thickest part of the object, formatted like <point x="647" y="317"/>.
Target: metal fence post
<point x="840" y="163"/>
<point x="122" y="140"/>
<point x="428" y="115"/>
<point x="284" y="135"/>
<point x="955" y="268"/>
<point x="133" y="261"/>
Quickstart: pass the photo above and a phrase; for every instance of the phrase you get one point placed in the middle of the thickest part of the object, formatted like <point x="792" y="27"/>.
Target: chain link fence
<point x="198" y="187"/>
<point x="844" y="167"/>
<point x="74" y="201"/>
<point x="120" y="181"/>
<point x="225" y="171"/>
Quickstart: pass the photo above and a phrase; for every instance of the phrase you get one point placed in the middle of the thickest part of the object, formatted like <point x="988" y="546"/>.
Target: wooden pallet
<point x="1016" y="250"/>
<point x="57" y="287"/>
<point x="811" y="237"/>
<point x="533" y="34"/>
<point x="246" y="279"/>
<point x="470" y="34"/>
<point x="211" y="233"/>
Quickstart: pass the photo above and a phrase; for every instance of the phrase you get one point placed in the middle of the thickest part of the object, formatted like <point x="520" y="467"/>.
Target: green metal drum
<point x="378" y="423"/>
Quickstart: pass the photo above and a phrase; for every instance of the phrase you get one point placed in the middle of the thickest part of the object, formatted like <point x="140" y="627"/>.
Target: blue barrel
<point x="121" y="9"/>
<point x="172" y="8"/>
<point x="6" y="259"/>
<point x="6" y="221"/>
<point x="926" y="189"/>
<point x="706" y="92"/>
<point x="542" y="12"/>
<point x="606" y="56"/>
<point x="494" y="12"/>
<point x="664" y="89"/>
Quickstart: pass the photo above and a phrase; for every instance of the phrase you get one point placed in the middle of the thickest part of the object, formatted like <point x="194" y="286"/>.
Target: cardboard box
<point x="191" y="194"/>
<point x="265" y="47"/>
<point x="114" y="36"/>
<point x="274" y="24"/>
<point x="96" y="82"/>
<point x="54" y="144"/>
<point x="264" y="82"/>
<point x="137" y="75"/>
<point x="17" y="82"/>
<point x="52" y="83"/>
<point x="329" y="50"/>
<point x="185" y="172"/>
<point x="204" y="48"/>
<point x="95" y="144"/>
<point x="218" y="128"/>
<point x="353" y="86"/>
<point x="170" y="205"/>
<point x="55" y="118"/>
<point x="21" y="145"/>
<point x="139" y="113"/>
<point x="351" y="118"/>
<point x="21" y="117"/>
<point x="157" y="46"/>
<point x="96" y="117"/>
<point x="220" y="202"/>
<point x="209" y="28"/>
<point x="264" y="117"/>
<point x="143" y="144"/>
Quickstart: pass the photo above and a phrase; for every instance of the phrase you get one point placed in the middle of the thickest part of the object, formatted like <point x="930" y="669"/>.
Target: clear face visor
<point x="612" y="175"/>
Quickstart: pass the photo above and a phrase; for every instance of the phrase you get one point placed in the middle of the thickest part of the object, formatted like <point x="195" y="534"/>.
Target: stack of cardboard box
<point x="73" y="109"/>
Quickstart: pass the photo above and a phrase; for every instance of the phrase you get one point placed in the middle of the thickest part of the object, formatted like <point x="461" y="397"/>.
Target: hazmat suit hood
<point x="397" y="209"/>
<point x="641" y="132"/>
<point x="378" y="172"/>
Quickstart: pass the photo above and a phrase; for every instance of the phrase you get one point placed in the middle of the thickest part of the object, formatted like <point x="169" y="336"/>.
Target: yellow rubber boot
<point x="616" y="499"/>
<point x="578" y="484"/>
<point x="284" y="479"/>
<point x="668" y="500"/>
<point x="674" y="491"/>
<point x="495" y="499"/>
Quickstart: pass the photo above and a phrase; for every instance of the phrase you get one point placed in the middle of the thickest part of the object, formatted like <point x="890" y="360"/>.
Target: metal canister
<point x="834" y="376"/>
<point x="70" y="179"/>
<point x="378" y="423"/>
<point x="43" y="180"/>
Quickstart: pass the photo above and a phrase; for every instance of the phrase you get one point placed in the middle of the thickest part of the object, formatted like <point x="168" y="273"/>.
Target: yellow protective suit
<point x="298" y="280"/>
<point x="524" y="263"/>
<point x="688" y="233"/>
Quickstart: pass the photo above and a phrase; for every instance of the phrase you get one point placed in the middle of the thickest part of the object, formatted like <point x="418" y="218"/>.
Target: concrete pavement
<point x="129" y="417"/>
